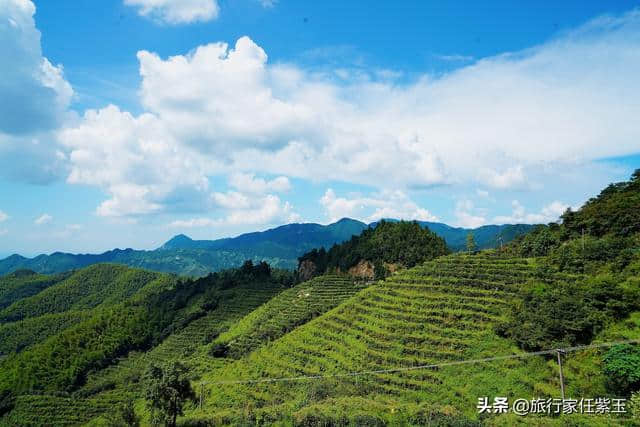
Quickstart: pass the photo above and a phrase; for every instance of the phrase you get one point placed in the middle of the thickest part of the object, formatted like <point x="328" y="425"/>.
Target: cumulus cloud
<point x="175" y="12"/>
<point x="35" y="98"/>
<point x="3" y="216"/>
<point x="502" y="122"/>
<point x="549" y="213"/>
<point x="388" y="204"/>
<point x="136" y="161"/>
<point x="43" y="219"/>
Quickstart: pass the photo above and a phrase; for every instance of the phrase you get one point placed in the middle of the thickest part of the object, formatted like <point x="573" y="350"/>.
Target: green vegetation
<point x="125" y="416"/>
<point x="404" y="243"/>
<point x="62" y="362"/>
<point x="102" y="284"/>
<point x="16" y="336"/>
<point x="566" y="313"/>
<point x="471" y="243"/>
<point x="603" y="236"/>
<point x="167" y="389"/>
<point x="23" y="284"/>
<point x="600" y="240"/>
<point x="78" y="361"/>
<point x="622" y="368"/>
<point x="437" y="312"/>
<point x="282" y="314"/>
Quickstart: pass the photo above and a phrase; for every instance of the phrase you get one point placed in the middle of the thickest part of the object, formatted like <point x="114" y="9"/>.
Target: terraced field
<point x="286" y="311"/>
<point x="441" y="311"/>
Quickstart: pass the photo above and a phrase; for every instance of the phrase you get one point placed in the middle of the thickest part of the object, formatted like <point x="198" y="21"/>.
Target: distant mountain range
<point x="279" y="246"/>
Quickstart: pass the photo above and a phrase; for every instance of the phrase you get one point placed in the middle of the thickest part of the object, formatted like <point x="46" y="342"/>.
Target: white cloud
<point x="247" y="182"/>
<point x="136" y="161"/>
<point x="232" y="200"/>
<point x="35" y="98"/>
<point x="512" y="177"/>
<point x="193" y="223"/>
<point x="43" y="219"/>
<point x="503" y="122"/>
<point x="177" y="11"/>
<point x="549" y="213"/>
<point x="388" y="204"/>
<point x="263" y="210"/>
<point x="3" y="216"/>
<point x="454" y="58"/>
<point x="467" y="215"/>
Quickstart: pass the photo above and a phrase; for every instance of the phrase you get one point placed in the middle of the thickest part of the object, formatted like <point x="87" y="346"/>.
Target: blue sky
<point x="125" y="122"/>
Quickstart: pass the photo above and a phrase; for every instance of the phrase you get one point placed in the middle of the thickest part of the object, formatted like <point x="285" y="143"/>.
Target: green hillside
<point x="168" y="318"/>
<point x="105" y="284"/>
<point x="23" y="284"/>
<point x="15" y="336"/>
<point x="283" y="313"/>
<point x="441" y="311"/>
<point x="397" y="243"/>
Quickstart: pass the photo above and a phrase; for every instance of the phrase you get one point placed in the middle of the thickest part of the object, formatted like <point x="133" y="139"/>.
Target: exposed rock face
<point x="364" y="270"/>
<point x="306" y="270"/>
<point x="392" y="268"/>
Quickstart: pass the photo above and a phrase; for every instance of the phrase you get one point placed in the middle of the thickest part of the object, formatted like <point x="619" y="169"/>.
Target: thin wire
<point x="438" y="365"/>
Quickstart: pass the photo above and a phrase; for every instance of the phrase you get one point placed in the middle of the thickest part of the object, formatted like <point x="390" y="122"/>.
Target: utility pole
<point x="558" y="352"/>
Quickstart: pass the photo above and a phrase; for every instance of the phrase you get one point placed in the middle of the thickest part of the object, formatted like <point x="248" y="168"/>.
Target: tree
<point x="167" y="390"/>
<point x="622" y="368"/>
<point x="471" y="243"/>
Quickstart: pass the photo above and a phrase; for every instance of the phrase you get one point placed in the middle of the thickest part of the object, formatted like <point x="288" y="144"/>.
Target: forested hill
<point x="605" y="229"/>
<point x="280" y="247"/>
<point x="375" y="252"/>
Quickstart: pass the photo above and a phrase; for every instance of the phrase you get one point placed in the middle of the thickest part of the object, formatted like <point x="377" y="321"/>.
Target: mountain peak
<point x="179" y="241"/>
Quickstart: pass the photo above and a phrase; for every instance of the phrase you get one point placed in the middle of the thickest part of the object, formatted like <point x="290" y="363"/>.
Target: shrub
<point x="219" y="350"/>
<point x="622" y="368"/>
<point x="565" y="314"/>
